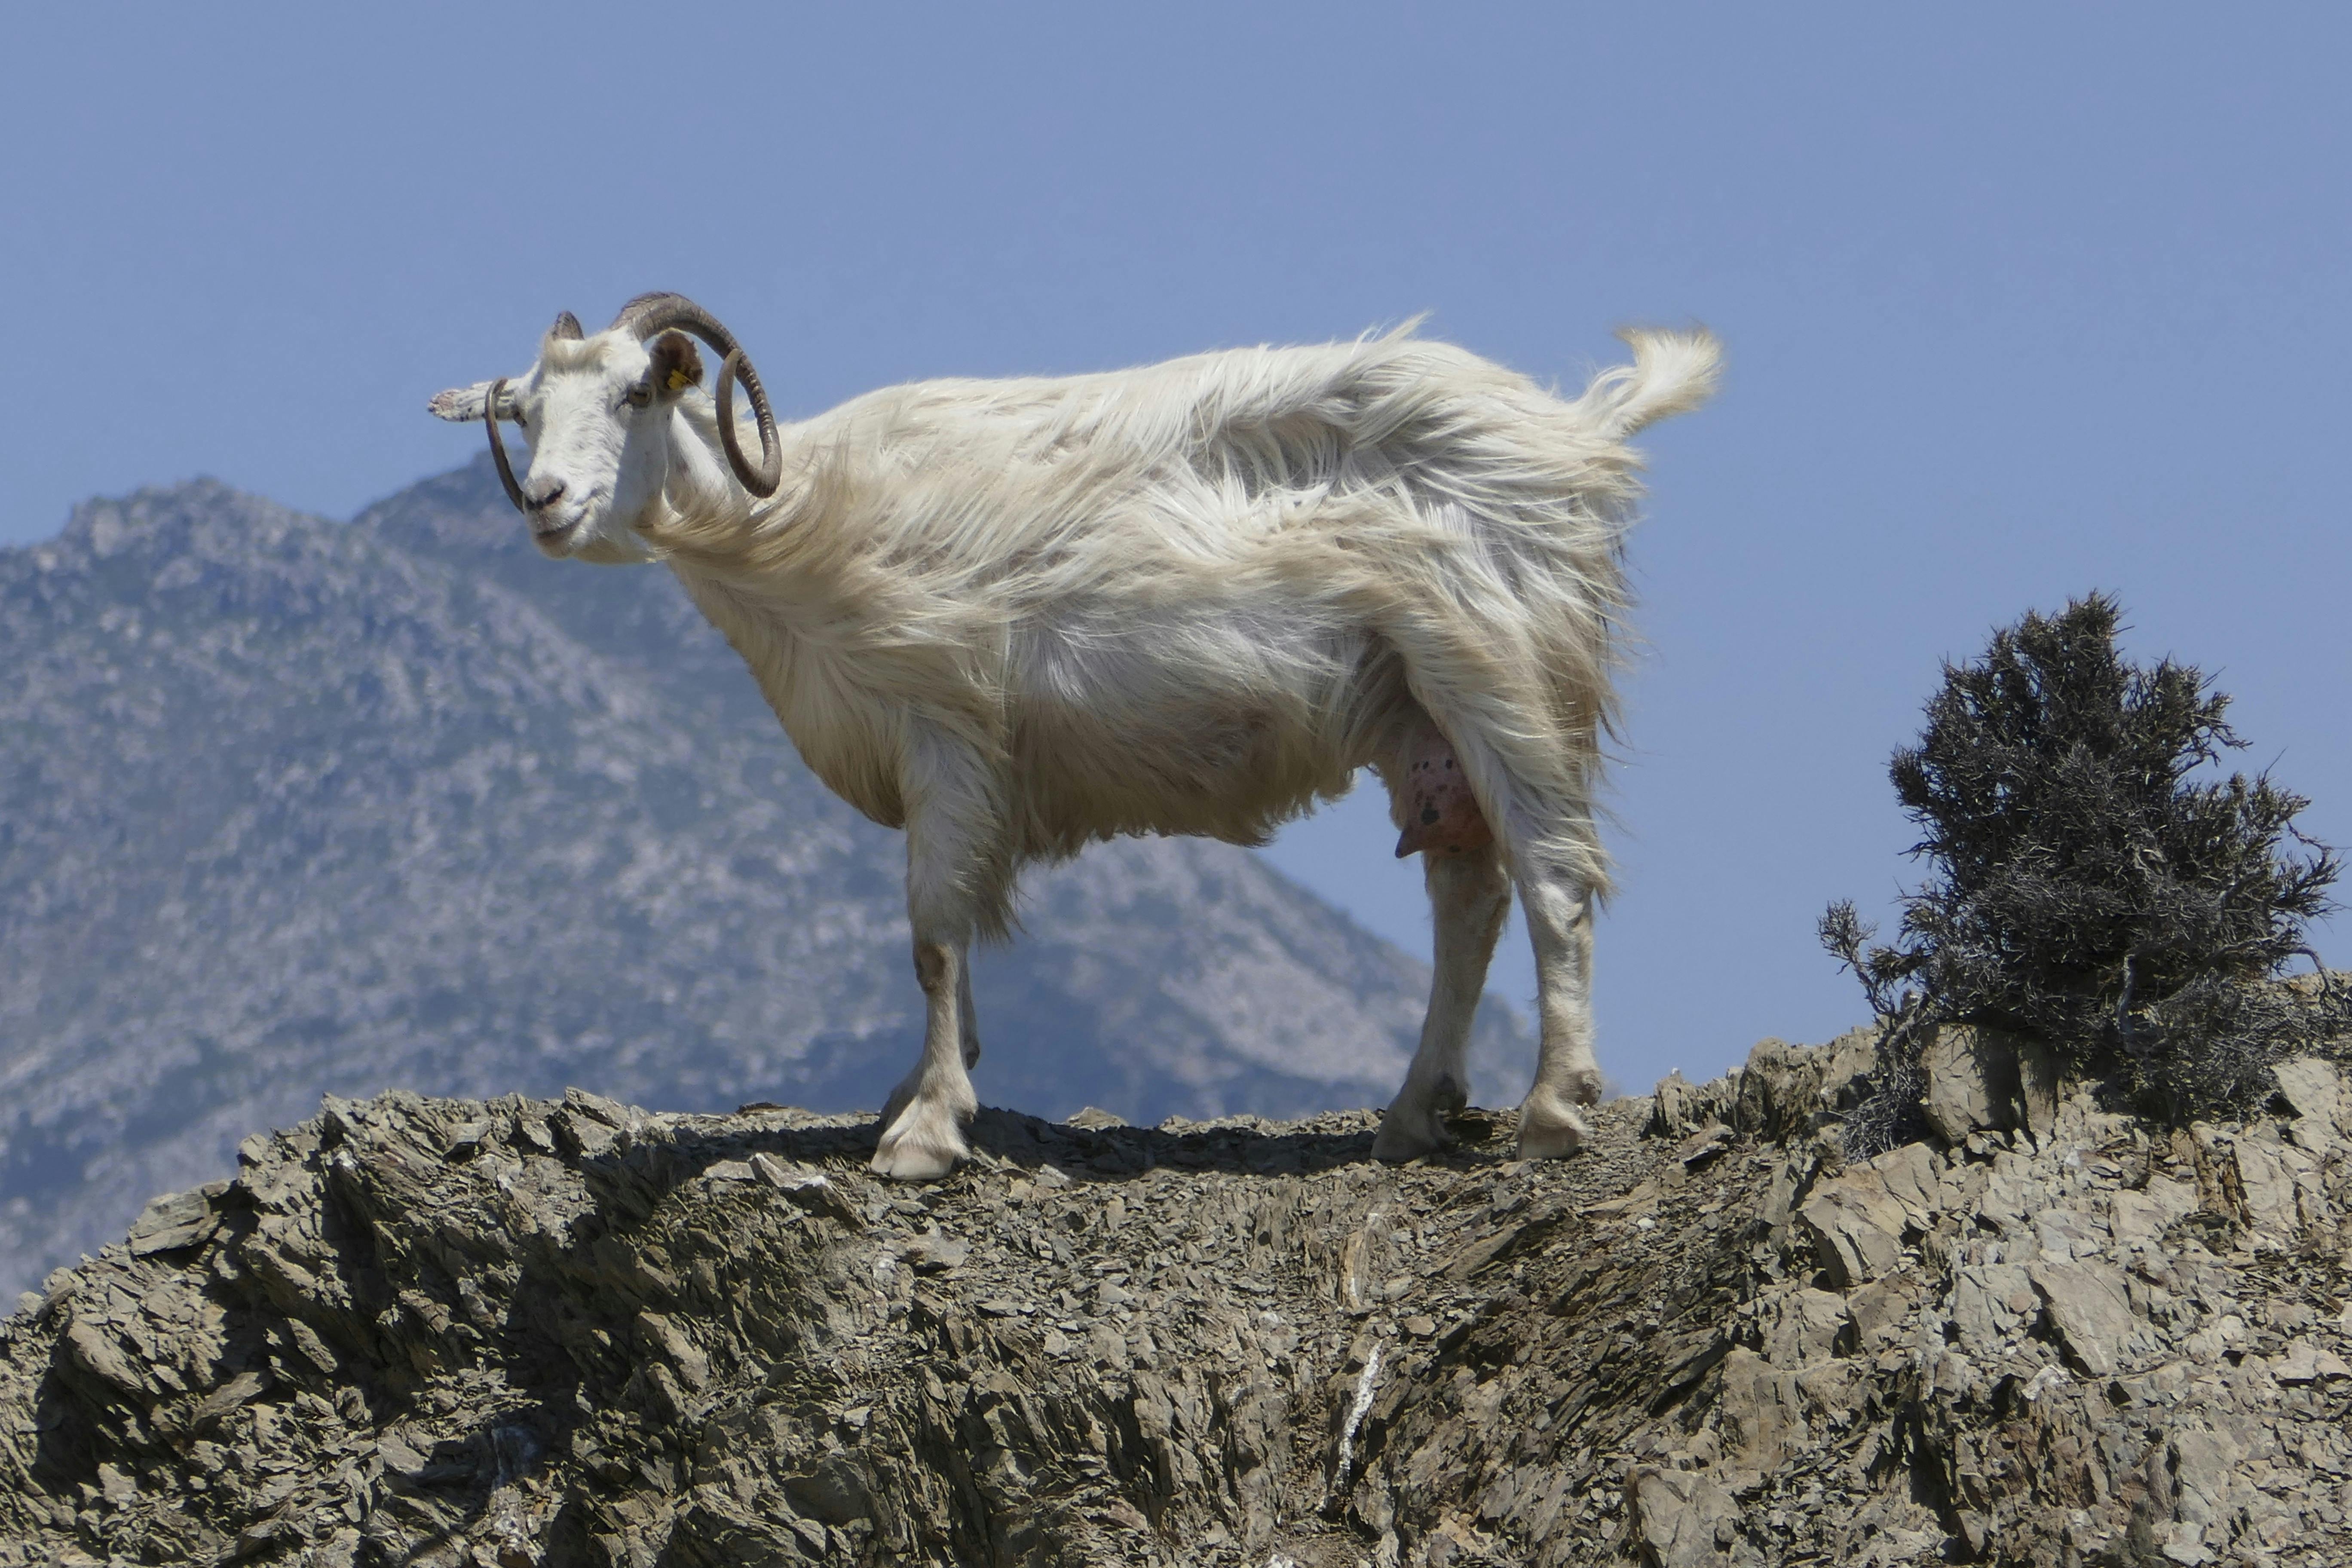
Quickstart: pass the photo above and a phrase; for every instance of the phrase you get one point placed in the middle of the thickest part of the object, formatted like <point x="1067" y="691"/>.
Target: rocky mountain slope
<point x="292" y="807"/>
<point x="522" y="1331"/>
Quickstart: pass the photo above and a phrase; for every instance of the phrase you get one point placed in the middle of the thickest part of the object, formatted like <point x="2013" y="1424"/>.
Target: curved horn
<point x="761" y="481"/>
<point x="566" y="328"/>
<point x="650" y="313"/>
<point x="498" y="448"/>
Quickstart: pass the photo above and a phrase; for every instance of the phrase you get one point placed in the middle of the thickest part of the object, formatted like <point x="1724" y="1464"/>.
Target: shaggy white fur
<point x="1015" y="616"/>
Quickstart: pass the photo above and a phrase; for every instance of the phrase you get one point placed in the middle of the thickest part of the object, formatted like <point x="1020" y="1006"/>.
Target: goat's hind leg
<point x="1469" y="901"/>
<point x="1567" y="1076"/>
<point x="1544" y="825"/>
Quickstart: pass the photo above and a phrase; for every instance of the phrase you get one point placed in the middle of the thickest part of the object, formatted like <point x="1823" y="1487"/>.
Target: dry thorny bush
<point x="2096" y="884"/>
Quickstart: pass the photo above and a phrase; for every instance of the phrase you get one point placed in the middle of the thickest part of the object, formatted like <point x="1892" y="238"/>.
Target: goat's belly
<point x="1220" y="726"/>
<point x="1232" y="777"/>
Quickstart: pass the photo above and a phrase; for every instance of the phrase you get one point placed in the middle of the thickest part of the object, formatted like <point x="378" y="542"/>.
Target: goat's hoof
<point x="911" y="1159"/>
<point x="1550" y="1129"/>
<point x="911" y="1164"/>
<point x="1411" y="1131"/>
<point x="921" y="1144"/>
<point x="1402" y="1138"/>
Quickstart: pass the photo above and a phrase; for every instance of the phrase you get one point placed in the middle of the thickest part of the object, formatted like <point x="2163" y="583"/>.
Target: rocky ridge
<point x="519" y="1331"/>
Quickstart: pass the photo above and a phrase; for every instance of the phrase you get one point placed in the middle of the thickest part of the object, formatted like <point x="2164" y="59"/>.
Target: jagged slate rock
<point x="173" y="1221"/>
<point x="2315" y="1091"/>
<point x="1681" y="1518"/>
<point x="1777" y="1089"/>
<point x="1992" y="1303"/>
<point x="935" y="1253"/>
<point x="97" y="1352"/>
<point x="1974" y="1081"/>
<point x="1763" y="1413"/>
<point x="1878" y="1315"/>
<point x="1846" y="1064"/>
<point x="2090" y="1307"/>
<point x="1707" y="1144"/>
<point x="1801" y="1325"/>
<point x="294" y="807"/>
<point x="1670" y="1115"/>
<point x="1504" y="1241"/>
<point x="2061" y="1233"/>
<point x="1677" y="1106"/>
<point x="1909" y="1176"/>
<point x="2039" y="1089"/>
<point x="2266" y="1188"/>
<point x="812" y="1190"/>
<point x="2303" y="1362"/>
<point x="2142" y="1216"/>
<point x="1785" y="1089"/>
<point x="233" y="1394"/>
<point x="1856" y="1227"/>
<point x="2202" y="1460"/>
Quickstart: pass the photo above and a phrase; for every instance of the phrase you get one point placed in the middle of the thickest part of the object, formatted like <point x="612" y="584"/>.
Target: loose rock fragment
<point x="173" y="1222"/>
<point x="2315" y="1091"/>
<point x="934" y="1253"/>
<point x="1856" y="1226"/>
<point x="2090" y="1307"/>
<point x="1681" y="1518"/>
<point x="1976" y="1080"/>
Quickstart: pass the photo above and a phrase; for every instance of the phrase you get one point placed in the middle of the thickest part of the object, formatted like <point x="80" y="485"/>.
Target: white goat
<point x="1013" y="616"/>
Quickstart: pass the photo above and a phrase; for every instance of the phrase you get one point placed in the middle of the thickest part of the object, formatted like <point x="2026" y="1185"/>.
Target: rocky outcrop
<point x="522" y="1331"/>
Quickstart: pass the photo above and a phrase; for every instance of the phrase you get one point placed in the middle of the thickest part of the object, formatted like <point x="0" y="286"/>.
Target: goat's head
<point x="603" y="415"/>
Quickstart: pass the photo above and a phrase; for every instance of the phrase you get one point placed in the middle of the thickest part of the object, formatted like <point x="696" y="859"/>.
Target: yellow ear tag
<point x="677" y="381"/>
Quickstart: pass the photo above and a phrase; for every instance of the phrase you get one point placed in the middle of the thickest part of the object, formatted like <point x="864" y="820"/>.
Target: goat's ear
<point x="464" y="403"/>
<point x="677" y="363"/>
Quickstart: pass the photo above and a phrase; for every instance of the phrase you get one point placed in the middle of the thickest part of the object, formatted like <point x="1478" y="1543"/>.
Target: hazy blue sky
<point x="2020" y="302"/>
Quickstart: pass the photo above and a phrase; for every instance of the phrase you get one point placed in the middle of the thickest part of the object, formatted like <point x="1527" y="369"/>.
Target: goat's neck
<point x="700" y="491"/>
<point x="733" y="549"/>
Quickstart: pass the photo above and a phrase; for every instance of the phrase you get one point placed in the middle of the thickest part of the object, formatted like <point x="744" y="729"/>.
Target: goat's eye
<point x="640" y="394"/>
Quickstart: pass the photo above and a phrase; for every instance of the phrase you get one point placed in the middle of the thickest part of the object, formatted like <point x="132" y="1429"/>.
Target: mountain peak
<point x="105" y="525"/>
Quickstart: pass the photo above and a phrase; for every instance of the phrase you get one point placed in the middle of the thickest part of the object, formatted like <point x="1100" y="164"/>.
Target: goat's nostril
<point x="542" y="496"/>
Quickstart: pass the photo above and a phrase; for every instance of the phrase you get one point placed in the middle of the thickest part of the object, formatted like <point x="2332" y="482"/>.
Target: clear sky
<point x="2020" y="302"/>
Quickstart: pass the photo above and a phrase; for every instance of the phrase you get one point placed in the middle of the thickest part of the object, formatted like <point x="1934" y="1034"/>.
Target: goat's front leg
<point x="1468" y="898"/>
<point x="947" y="829"/>
<point x="922" y="1124"/>
<point x="1567" y="1078"/>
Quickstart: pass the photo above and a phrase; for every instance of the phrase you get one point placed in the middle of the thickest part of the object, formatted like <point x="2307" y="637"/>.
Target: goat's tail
<point x="1672" y="372"/>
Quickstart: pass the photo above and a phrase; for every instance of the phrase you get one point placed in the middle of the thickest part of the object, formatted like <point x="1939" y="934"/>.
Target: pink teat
<point x="1441" y="813"/>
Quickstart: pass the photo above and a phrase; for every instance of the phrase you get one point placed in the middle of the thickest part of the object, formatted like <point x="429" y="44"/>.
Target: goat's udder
<point x="1441" y="816"/>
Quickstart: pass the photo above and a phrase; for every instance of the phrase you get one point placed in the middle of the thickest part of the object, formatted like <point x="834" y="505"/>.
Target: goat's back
<point x="1191" y="596"/>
